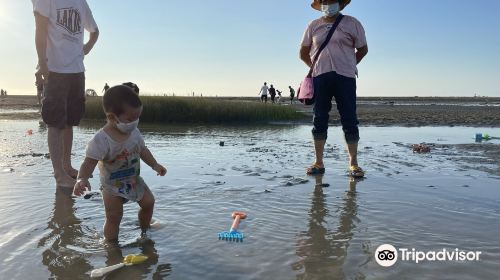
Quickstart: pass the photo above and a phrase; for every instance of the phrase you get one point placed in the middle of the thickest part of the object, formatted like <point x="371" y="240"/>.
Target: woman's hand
<point x="162" y="171"/>
<point x="361" y="53"/>
<point x="80" y="187"/>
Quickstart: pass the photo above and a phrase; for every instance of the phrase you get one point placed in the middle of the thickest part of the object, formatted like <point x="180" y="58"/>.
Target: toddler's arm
<point x="150" y="160"/>
<point x="82" y="182"/>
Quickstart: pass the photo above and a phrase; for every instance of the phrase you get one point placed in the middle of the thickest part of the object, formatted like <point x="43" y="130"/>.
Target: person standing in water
<point x="263" y="93"/>
<point x="59" y="40"/>
<point x="292" y="94"/>
<point x="106" y="87"/>
<point x="334" y="75"/>
<point x="118" y="148"/>
<point x="272" y="93"/>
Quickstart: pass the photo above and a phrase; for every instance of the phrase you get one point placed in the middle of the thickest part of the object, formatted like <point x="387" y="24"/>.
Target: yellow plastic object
<point x="134" y="259"/>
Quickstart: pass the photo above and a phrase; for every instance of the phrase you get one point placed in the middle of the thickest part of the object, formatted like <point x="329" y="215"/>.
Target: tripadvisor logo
<point x="387" y="255"/>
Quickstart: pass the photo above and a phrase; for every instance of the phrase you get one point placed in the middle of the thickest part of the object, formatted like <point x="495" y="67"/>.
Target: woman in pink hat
<point x="334" y="74"/>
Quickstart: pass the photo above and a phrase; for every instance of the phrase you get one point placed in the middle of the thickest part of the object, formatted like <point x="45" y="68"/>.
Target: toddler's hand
<point x="80" y="187"/>
<point x="160" y="169"/>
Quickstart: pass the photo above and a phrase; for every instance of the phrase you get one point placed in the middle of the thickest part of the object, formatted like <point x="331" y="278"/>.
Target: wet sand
<point x="415" y="112"/>
<point x="377" y="111"/>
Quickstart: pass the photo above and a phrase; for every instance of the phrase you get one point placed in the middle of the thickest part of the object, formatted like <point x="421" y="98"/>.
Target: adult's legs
<point x="55" y="115"/>
<point x="75" y="105"/>
<point x="67" y="146"/>
<point x="56" y="142"/>
<point x="353" y="154"/>
<point x="322" y="107"/>
<point x="345" y="96"/>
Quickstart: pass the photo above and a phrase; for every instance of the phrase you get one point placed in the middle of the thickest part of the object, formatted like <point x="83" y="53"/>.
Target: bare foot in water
<point x="73" y="173"/>
<point x="64" y="180"/>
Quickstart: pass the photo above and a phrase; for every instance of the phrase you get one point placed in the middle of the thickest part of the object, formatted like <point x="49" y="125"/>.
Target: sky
<point x="229" y="48"/>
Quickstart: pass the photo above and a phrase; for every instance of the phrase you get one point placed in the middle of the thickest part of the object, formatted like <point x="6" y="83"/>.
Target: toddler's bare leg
<point x="114" y="213"/>
<point x="147" y="204"/>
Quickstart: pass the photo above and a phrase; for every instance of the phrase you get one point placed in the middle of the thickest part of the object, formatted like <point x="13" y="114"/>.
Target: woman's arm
<point x="305" y="55"/>
<point x="361" y="53"/>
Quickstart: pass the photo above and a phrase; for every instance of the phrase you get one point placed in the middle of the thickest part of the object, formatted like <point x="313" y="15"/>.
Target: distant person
<point x="334" y="73"/>
<point x="132" y="86"/>
<point x="90" y="92"/>
<point x="118" y="147"/>
<point x="292" y="94"/>
<point x="59" y="40"/>
<point x="1" y="92"/>
<point x="106" y="87"/>
<point x="272" y="93"/>
<point x="263" y="93"/>
<point x="279" y="96"/>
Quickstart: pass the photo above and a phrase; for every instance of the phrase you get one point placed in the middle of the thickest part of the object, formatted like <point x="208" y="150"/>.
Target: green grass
<point x="159" y="109"/>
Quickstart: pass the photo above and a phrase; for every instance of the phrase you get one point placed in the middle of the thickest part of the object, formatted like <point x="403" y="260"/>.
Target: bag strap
<point x="327" y="40"/>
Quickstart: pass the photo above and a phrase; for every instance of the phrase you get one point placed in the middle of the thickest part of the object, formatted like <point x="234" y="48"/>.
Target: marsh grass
<point x="161" y="109"/>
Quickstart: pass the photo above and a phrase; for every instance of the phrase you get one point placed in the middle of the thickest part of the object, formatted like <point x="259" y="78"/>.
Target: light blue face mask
<point x="330" y="10"/>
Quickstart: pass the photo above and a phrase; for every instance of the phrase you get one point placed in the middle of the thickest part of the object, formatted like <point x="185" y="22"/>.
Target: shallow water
<point x="437" y="103"/>
<point x="297" y="226"/>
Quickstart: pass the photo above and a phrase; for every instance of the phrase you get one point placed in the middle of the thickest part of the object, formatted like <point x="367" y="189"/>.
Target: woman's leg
<point x="322" y="106"/>
<point x="345" y="96"/>
<point x="114" y="212"/>
<point x="353" y="154"/>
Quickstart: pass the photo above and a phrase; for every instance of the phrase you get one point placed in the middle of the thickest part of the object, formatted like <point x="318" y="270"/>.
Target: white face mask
<point x="127" y="127"/>
<point x="330" y="10"/>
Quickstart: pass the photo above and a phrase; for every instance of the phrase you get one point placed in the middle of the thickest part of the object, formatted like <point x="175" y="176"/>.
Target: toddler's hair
<point x="115" y="99"/>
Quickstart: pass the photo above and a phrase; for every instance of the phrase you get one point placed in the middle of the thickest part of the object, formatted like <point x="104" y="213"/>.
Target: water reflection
<point x="62" y="261"/>
<point x="69" y="246"/>
<point x="324" y="251"/>
<point x="115" y="255"/>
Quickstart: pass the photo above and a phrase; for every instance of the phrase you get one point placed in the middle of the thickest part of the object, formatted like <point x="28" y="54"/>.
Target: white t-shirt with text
<point x="67" y="21"/>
